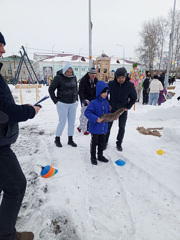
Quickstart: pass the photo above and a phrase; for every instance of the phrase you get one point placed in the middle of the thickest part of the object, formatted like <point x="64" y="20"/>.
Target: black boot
<point x="71" y="142"/>
<point x="101" y="158"/>
<point x="93" y="160"/>
<point x="119" y="148"/>
<point x="57" y="142"/>
<point x="24" y="236"/>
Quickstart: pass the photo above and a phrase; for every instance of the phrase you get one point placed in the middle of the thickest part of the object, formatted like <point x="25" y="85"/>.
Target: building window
<point x="83" y="69"/>
<point x="76" y="69"/>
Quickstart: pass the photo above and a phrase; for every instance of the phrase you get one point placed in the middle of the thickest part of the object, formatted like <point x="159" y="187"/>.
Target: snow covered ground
<point x="137" y="201"/>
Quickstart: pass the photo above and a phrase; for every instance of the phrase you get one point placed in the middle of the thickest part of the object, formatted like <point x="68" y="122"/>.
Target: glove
<point x="178" y="98"/>
<point x="86" y="102"/>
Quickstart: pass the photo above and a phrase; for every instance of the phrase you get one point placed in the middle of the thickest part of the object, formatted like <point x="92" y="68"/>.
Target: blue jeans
<point x="66" y="112"/>
<point x="153" y="98"/>
<point x="13" y="185"/>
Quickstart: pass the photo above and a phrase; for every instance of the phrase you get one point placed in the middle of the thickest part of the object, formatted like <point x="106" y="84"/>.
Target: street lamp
<point x="79" y="62"/>
<point x="90" y="36"/>
<point x="123" y="52"/>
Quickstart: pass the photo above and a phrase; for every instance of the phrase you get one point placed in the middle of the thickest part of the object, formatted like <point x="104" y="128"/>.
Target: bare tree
<point x="162" y="25"/>
<point x="154" y="43"/>
<point x="153" y="36"/>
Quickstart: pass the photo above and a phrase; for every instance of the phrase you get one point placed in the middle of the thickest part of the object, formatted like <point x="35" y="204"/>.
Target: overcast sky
<point x="63" y="25"/>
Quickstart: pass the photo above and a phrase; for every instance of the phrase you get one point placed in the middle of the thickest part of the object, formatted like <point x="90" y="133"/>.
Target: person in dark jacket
<point x="122" y="95"/>
<point x="145" y="86"/>
<point x="12" y="179"/>
<point x="97" y="128"/>
<point x="87" y="92"/>
<point x="161" y="77"/>
<point x="66" y="100"/>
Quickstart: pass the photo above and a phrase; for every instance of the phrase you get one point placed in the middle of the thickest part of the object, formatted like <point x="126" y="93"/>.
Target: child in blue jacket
<point x="97" y="128"/>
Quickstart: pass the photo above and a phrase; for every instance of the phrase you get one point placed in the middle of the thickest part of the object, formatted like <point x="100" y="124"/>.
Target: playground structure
<point x="25" y="59"/>
<point x="30" y="86"/>
<point x="102" y="65"/>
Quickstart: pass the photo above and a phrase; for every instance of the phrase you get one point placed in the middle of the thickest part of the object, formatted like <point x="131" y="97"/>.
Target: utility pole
<point x="90" y="36"/>
<point x="148" y="59"/>
<point x="170" y="46"/>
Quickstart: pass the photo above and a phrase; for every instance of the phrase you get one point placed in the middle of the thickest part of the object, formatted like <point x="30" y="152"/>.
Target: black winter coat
<point x="146" y="83"/>
<point x="11" y="114"/>
<point x="162" y="78"/>
<point x="86" y="91"/>
<point x="122" y="95"/>
<point x="67" y="90"/>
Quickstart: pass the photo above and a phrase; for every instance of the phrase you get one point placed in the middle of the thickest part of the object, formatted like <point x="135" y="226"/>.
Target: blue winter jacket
<point x="96" y="109"/>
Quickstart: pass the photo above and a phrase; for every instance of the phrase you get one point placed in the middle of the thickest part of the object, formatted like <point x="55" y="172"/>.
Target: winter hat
<point x="121" y="72"/>
<point x="92" y="71"/>
<point x="106" y="89"/>
<point x="2" y="39"/>
<point x="155" y="76"/>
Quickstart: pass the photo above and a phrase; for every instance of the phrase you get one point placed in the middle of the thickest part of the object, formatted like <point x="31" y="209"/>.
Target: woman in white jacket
<point x="155" y="87"/>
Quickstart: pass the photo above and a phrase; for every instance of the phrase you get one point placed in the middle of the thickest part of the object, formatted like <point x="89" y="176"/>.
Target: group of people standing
<point x="121" y="93"/>
<point x="154" y="91"/>
<point x="96" y="98"/>
<point x="64" y="94"/>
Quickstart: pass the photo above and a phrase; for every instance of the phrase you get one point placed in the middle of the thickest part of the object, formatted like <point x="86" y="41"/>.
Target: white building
<point x="47" y="65"/>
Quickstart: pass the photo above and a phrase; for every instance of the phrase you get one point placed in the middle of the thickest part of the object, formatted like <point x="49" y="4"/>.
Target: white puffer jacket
<point x="155" y="86"/>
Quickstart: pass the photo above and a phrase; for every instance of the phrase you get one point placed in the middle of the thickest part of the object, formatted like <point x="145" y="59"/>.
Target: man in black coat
<point x="12" y="179"/>
<point x="145" y="86"/>
<point x="87" y="92"/>
<point x="122" y="95"/>
<point x="87" y="86"/>
<point x="161" y="77"/>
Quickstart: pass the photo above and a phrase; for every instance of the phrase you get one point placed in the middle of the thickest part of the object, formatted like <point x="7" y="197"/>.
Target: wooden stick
<point x="160" y="128"/>
<point x="37" y="93"/>
<point x="21" y="97"/>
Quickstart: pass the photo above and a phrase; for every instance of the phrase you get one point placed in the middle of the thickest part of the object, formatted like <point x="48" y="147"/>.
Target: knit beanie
<point x="106" y="89"/>
<point x="92" y="70"/>
<point x="2" y="39"/>
<point x="121" y="72"/>
<point x="155" y="77"/>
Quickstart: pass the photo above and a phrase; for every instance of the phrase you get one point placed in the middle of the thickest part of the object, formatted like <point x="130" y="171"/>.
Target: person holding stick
<point x="122" y="95"/>
<point x="12" y="179"/>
